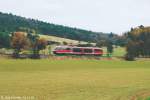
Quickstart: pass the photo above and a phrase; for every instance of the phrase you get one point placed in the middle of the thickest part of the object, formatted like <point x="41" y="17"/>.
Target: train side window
<point x="77" y="50"/>
<point x="88" y="50"/>
<point x="97" y="50"/>
<point x="68" y="48"/>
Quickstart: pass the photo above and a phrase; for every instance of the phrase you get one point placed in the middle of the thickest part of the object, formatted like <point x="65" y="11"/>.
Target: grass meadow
<point x="75" y="79"/>
<point x="118" y="52"/>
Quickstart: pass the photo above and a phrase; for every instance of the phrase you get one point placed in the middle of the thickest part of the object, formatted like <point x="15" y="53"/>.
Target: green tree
<point x="138" y="42"/>
<point x="37" y="44"/>
<point x="4" y="40"/>
<point x="131" y="53"/>
<point x="101" y="43"/>
<point x="109" y="47"/>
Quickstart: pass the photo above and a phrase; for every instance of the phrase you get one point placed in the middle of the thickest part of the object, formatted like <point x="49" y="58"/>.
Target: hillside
<point x="61" y="40"/>
<point x="10" y="23"/>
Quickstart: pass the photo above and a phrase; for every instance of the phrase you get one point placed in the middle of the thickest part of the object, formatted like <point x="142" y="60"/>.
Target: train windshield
<point x="62" y="48"/>
<point x="58" y="48"/>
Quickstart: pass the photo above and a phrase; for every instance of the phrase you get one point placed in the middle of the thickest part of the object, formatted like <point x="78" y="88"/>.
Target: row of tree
<point x="138" y="42"/>
<point x="11" y="23"/>
<point x="22" y="40"/>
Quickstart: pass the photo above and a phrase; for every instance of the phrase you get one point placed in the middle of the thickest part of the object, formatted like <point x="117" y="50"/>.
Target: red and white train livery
<point x="73" y="50"/>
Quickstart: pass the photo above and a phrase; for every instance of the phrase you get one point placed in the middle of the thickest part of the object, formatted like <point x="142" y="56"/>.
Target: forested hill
<point x="10" y="23"/>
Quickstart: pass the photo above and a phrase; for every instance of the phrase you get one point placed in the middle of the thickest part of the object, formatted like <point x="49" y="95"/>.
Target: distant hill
<point x="10" y="23"/>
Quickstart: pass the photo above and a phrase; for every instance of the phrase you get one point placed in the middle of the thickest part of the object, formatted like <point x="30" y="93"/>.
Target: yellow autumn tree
<point x="19" y="41"/>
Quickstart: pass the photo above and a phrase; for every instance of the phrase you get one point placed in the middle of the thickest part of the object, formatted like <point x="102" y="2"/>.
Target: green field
<point x="75" y="79"/>
<point x="117" y="52"/>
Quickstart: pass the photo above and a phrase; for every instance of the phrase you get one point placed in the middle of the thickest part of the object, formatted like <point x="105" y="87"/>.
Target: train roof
<point x="77" y="47"/>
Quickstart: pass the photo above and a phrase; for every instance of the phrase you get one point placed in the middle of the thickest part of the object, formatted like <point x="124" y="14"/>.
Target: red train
<point x="73" y="50"/>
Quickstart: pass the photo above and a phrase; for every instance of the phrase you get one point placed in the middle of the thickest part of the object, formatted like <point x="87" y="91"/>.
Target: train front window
<point x="62" y="48"/>
<point x="59" y="48"/>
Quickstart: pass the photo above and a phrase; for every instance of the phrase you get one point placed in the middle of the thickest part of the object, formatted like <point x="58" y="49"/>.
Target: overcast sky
<point x="97" y="15"/>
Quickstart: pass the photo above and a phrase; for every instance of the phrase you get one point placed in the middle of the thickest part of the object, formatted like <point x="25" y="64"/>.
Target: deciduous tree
<point x="19" y="41"/>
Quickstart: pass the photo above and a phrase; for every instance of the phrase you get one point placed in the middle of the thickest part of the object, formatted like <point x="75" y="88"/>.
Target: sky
<point x="116" y="16"/>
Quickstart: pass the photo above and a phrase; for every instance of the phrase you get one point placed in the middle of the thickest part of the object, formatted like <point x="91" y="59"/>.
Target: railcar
<point x="74" y="50"/>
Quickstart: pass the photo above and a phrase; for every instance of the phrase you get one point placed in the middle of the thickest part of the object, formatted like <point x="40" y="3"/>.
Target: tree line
<point x="11" y="23"/>
<point x="27" y="41"/>
<point x="138" y="42"/>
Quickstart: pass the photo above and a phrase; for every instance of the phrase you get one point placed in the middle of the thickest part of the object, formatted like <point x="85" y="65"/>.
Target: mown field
<point x="75" y="79"/>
